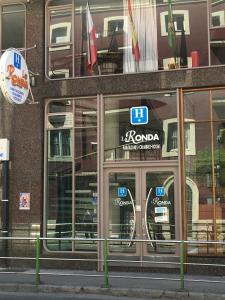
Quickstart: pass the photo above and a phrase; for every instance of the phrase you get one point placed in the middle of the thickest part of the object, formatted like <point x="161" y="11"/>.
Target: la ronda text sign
<point x="14" y="76"/>
<point x="137" y="140"/>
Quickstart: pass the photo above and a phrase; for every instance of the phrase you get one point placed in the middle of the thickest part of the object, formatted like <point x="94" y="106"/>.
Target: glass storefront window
<point x="69" y="54"/>
<point x="152" y="141"/>
<point x="197" y="106"/>
<point x="204" y="170"/>
<point x="71" y="196"/>
<point x="218" y="106"/>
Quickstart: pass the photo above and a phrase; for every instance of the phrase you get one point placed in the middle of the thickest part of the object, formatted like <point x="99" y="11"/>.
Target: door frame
<point x="143" y="167"/>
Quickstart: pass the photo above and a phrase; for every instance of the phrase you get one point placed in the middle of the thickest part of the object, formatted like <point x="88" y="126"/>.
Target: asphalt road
<point x="46" y="296"/>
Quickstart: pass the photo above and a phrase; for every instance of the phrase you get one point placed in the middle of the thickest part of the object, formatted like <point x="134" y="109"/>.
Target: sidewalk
<point x="135" y="284"/>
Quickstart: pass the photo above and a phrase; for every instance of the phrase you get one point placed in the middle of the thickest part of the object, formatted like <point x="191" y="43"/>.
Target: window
<point x="116" y="24"/>
<point x="170" y="146"/>
<point x="71" y="172"/>
<point x="60" y="143"/>
<point x="60" y="34"/>
<point x="67" y="41"/>
<point x="218" y="18"/>
<point x="181" y="18"/>
<point x="13" y="26"/>
<point x="60" y="29"/>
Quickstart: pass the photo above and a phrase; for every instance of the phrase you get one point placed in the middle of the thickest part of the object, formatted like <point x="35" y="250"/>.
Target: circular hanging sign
<point x="14" y="76"/>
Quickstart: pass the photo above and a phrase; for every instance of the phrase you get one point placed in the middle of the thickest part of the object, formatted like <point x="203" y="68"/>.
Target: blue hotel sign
<point x="17" y="61"/>
<point x="122" y="192"/>
<point x="139" y="115"/>
<point x="160" y="191"/>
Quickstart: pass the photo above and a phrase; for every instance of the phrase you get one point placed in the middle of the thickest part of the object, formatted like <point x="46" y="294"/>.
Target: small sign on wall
<point x="24" y="203"/>
<point x="161" y="215"/>
<point x="4" y="149"/>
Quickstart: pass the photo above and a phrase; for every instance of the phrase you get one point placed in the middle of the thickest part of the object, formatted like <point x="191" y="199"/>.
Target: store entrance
<point x="142" y="203"/>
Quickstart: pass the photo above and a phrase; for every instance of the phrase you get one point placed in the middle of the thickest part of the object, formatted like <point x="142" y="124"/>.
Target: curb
<point x="121" y="292"/>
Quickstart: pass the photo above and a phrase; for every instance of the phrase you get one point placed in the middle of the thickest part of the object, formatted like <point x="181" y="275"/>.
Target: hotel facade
<point x="129" y="147"/>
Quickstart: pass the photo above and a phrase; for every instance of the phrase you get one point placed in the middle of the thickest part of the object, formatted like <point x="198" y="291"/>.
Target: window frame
<point x="186" y="23"/>
<point x="114" y="18"/>
<point x="59" y="157"/>
<point x="61" y="45"/>
<point x="191" y="150"/>
<point x="221" y="15"/>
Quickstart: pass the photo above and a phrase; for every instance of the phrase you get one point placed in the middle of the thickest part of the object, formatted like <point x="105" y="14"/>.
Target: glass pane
<point x="196" y="106"/>
<point x="217" y="13"/>
<point x="60" y="144"/>
<point x="60" y="62"/>
<point x="59" y="2"/>
<point x="86" y="208"/>
<point x="13" y="30"/>
<point x="159" y="211"/>
<point x="199" y="190"/>
<point x="59" y="205"/>
<point x="13" y="8"/>
<point x="217" y="40"/>
<point x="60" y="53"/>
<point x="86" y="197"/>
<point x="60" y="27"/>
<point x="152" y="141"/>
<point x="219" y="165"/>
<point x="218" y="105"/>
<point x="122" y="195"/>
<point x="60" y="106"/>
<point x="57" y="121"/>
<point x="217" y="31"/>
<point x="136" y="37"/>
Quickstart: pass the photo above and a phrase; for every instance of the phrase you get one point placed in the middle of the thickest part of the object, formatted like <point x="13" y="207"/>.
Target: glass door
<point x="159" y="209"/>
<point x="141" y="204"/>
<point x="122" y="195"/>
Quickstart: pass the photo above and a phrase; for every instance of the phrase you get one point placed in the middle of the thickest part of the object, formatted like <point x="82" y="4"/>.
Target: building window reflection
<point x="68" y="40"/>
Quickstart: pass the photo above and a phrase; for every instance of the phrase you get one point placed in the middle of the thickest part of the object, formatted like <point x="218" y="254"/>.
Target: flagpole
<point x="83" y="36"/>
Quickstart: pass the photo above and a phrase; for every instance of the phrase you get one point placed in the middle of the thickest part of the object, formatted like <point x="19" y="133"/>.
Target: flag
<point x="183" y="49"/>
<point x="91" y="40"/>
<point x="135" y="46"/>
<point x="171" y="31"/>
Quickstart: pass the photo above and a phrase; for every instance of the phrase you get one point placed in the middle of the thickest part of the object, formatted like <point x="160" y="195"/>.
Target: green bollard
<point x="106" y="270"/>
<point x="182" y="265"/>
<point x="37" y="261"/>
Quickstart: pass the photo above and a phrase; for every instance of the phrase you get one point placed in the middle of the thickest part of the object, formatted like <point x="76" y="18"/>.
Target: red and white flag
<point x="91" y="40"/>
<point x="135" y="46"/>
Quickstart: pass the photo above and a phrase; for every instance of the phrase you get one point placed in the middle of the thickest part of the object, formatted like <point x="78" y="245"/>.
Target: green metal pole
<point x="37" y="261"/>
<point x="182" y="265"/>
<point x="106" y="270"/>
